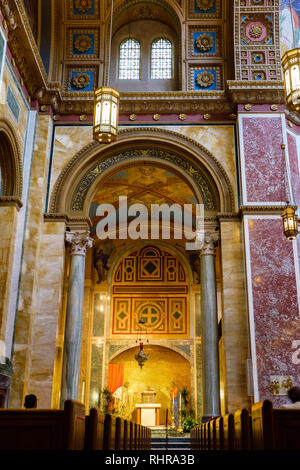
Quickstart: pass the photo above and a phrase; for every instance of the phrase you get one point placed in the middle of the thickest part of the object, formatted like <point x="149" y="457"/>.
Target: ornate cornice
<point x="258" y="92"/>
<point x="11" y="201"/>
<point x="272" y="210"/>
<point x="70" y="221"/>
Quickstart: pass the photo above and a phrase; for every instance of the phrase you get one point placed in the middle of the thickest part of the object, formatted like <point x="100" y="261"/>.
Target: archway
<point x="10" y="165"/>
<point x="165" y="375"/>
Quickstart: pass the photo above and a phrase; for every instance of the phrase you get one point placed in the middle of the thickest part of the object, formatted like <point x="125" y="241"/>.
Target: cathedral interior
<point x="204" y="120"/>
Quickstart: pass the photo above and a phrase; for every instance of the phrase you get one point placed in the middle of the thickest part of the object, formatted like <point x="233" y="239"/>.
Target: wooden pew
<point x="228" y="431"/>
<point x="262" y="425"/>
<point x="212" y="433"/>
<point x="109" y="441"/>
<point x="38" y="429"/>
<point x="132" y="429"/>
<point x="119" y="443"/>
<point x="219" y="433"/>
<point x="286" y="428"/>
<point x="242" y="430"/>
<point x="275" y="429"/>
<point x="94" y="430"/>
<point x="126" y="444"/>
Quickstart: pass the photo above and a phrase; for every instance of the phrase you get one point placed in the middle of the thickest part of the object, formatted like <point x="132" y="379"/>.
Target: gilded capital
<point x="209" y="247"/>
<point x="79" y="242"/>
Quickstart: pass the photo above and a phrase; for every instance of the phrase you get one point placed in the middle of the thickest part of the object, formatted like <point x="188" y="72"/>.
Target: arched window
<point x="129" y="60"/>
<point x="161" y="59"/>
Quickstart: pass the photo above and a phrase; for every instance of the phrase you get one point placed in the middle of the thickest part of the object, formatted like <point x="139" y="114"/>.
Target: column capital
<point x="79" y="242"/>
<point x="209" y="244"/>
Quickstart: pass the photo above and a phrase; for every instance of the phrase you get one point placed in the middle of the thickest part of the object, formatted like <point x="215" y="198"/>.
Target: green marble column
<point x="210" y="340"/>
<point x="72" y="343"/>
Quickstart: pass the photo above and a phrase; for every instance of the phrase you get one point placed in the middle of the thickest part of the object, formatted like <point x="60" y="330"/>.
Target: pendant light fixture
<point x="106" y="107"/>
<point x="289" y="216"/>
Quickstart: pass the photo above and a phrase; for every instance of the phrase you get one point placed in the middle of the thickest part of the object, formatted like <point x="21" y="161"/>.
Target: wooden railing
<point x="69" y="429"/>
<point x="265" y="428"/>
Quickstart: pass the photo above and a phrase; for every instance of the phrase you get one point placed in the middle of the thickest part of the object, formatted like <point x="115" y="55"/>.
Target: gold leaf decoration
<point x="83" y="5"/>
<point x="205" y="79"/>
<point x="256" y="31"/>
<point x="83" y="43"/>
<point x="204" y="42"/>
<point x="205" y="4"/>
<point x="81" y="80"/>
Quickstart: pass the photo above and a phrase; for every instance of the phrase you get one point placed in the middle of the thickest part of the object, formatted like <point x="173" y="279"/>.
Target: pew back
<point x="94" y="430"/>
<point x="262" y="425"/>
<point x="109" y="442"/>
<point x="219" y="433"/>
<point x="242" y="430"/>
<point x="43" y="429"/>
<point x="286" y="429"/>
<point x="228" y="431"/>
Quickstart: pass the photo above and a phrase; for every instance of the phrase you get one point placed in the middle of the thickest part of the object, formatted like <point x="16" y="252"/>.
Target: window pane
<point x="129" y="60"/>
<point x="161" y="59"/>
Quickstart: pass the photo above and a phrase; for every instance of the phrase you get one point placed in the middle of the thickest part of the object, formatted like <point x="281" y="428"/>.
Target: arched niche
<point x="164" y="372"/>
<point x="145" y="21"/>
<point x="78" y="182"/>
<point x="10" y="163"/>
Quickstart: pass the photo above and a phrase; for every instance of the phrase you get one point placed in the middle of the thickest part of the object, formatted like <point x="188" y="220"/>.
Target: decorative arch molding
<point x="131" y="344"/>
<point x="11" y="164"/>
<point x="86" y="167"/>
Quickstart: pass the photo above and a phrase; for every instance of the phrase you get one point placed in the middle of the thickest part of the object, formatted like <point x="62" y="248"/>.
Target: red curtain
<point x="115" y="376"/>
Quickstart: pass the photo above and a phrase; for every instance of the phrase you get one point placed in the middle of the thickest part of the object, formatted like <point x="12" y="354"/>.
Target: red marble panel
<point x="294" y="168"/>
<point x="262" y="138"/>
<point x="275" y="304"/>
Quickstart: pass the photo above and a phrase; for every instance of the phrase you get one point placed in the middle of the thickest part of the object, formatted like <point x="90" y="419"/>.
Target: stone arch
<point x="132" y="345"/>
<point x="83" y="171"/>
<point x="10" y="162"/>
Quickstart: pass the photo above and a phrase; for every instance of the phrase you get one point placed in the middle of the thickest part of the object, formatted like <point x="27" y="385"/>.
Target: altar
<point x="148" y="414"/>
<point x="148" y="410"/>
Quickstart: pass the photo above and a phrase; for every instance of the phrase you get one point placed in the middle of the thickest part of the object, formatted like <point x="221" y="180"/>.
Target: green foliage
<point x="188" y="424"/>
<point x="108" y="400"/>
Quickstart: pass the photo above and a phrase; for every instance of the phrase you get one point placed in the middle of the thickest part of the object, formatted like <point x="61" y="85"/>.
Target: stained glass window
<point x="161" y="59"/>
<point x="129" y="60"/>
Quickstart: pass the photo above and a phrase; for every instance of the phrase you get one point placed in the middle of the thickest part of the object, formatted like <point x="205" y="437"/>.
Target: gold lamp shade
<point x="291" y="72"/>
<point x="290" y="223"/>
<point x="106" y="114"/>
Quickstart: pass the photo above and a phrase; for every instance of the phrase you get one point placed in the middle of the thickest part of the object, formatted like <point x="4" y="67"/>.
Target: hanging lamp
<point x="289" y="216"/>
<point x="106" y="105"/>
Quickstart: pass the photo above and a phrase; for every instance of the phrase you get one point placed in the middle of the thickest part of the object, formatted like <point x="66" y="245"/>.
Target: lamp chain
<point x="293" y="28"/>
<point x="110" y="39"/>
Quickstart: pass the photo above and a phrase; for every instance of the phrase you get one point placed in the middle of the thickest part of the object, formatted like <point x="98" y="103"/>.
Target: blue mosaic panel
<point x="89" y="86"/>
<point x="91" y="50"/>
<point x="209" y="51"/>
<point x="13" y="104"/>
<point x="213" y="86"/>
<point x="90" y="11"/>
<point x="199" y="11"/>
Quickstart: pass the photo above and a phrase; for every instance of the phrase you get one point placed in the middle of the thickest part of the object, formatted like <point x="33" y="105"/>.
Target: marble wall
<point x="273" y="291"/>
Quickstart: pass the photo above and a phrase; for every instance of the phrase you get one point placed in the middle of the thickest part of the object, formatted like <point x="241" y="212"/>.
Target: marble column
<point x="210" y="347"/>
<point x="79" y="242"/>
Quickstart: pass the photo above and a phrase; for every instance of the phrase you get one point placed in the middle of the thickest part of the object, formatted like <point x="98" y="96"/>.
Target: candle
<point x="173" y="398"/>
<point x="180" y="400"/>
